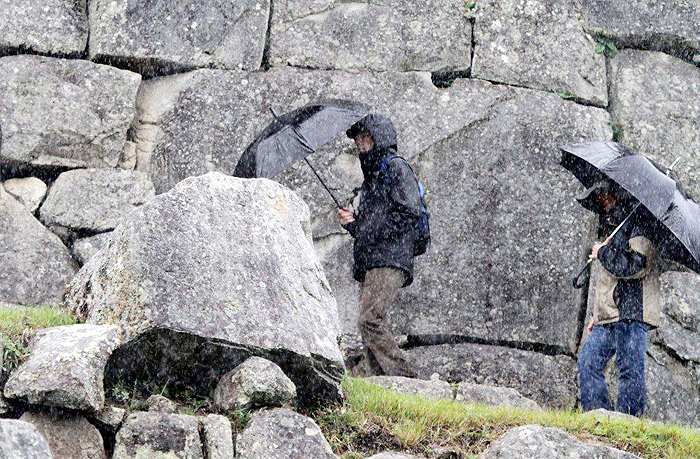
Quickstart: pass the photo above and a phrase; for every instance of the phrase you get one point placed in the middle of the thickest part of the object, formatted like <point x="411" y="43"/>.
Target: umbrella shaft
<point x="323" y="183"/>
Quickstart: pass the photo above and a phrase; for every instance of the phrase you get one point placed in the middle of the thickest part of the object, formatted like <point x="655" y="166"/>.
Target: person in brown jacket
<point x="626" y="301"/>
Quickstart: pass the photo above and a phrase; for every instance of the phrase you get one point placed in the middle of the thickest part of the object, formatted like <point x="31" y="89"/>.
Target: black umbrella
<point x="295" y="135"/>
<point x="645" y="181"/>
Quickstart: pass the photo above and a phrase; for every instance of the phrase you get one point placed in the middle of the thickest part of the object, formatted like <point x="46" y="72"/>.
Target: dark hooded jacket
<point x="389" y="204"/>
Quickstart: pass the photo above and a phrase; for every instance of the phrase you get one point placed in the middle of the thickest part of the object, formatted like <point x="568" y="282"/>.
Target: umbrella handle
<point x="576" y="279"/>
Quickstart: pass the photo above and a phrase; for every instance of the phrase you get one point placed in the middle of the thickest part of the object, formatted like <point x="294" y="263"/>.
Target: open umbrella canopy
<point x="295" y="135"/>
<point x="641" y="178"/>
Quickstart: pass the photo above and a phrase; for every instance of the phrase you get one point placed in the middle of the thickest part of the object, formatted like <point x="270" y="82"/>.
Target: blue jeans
<point x="627" y="339"/>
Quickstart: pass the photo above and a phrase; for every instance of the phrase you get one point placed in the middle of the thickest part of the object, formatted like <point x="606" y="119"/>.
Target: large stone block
<point x="507" y="233"/>
<point x="538" y="44"/>
<point x="164" y="36"/>
<point x="57" y="27"/>
<point x="549" y="380"/>
<point x="158" y="435"/>
<point x="65" y="368"/>
<point x="655" y="102"/>
<point x="669" y="26"/>
<point x="70" y="436"/>
<point x="208" y="274"/>
<point x="400" y="35"/>
<point x="65" y="113"/>
<point x="36" y="266"/>
<point x="22" y="440"/>
<point x="95" y="200"/>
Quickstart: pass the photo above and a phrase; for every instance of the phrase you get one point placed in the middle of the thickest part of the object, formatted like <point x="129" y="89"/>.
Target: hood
<point x="624" y="205"/>
<point x="379" y="127"/>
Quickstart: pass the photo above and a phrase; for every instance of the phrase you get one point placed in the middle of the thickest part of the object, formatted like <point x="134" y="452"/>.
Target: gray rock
<point x="53" y="26"/>
<point x="392" y="455"/>
<point x="95" y="199"/>
<point x="515" y="44"/>
<point x="430" y="388"/>
<point x="396" y="35"/>
<point x="217" y="436"/>
<point x="602" y="414"/>
<point x="22" y="440"/>
<point x="679" y="330"/>
<point x="65" y="113"/>
<point x="70" y="436"/>
<point x="254" y="383"/>
<point x="161" y="404"/>
<point x="507" y="235"/>
<point x="537" y="442"/>
<point x="655" y="101"/>
<point x="29" y="191"/>
<point x="549" y="380"/>
<point x="216" y="270"/>
<point x="151" y="435"/>
<point x="86" y="247"/>
<point x="494" y="396"/>
<point x="110" y="417"/>
<point x="158" y="37"/>
<point x="66" y="367"/>
<point x="36" y="266"/>
<point x="671" y="27"/>
<point x="282" y="434"/>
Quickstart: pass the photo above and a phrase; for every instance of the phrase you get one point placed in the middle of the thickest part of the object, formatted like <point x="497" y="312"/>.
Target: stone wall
<point x="142" y="95"/>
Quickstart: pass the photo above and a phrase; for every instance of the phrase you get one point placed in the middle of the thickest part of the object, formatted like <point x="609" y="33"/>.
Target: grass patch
<point x="373" y="419"/>
<point x="19" y="324"/>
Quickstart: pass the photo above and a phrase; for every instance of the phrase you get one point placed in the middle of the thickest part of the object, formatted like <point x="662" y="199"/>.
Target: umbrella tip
<point x="670" y="168"/>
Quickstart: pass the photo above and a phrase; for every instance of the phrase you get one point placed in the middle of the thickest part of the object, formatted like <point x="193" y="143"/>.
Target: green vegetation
<point x="373" y="419"/>
<point x="566" y="95"/>
<point x="19" y="324"/>
<point x="605" y="45"/>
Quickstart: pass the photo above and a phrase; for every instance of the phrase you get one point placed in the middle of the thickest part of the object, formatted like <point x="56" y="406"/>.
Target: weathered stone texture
<point x="164" y="36"/>
<point x="36" y="266"/>
<point x="95" y="200"/>
<point x="48" y="26"/>
<point x="282" y="434"/>
<point x="66" y="367"/>
<point x="550" y="381"/>
<point x="670" y="26"/>
<point x="217" y="436"/>
<point x="158" y="435"/>
<point x="67" y="113"/>
<point x="225" y="265"/>
<point x="655" y="102"/>
<point x="86" y="247"/>
<point x="29" y="191"/>
<point x="400" y="35"/>
<point x="426" y="388"/>
<point x="254" y="383"/>
<point x="537" y="442"/>
<point x="22" y="440"/>
<point x="507" y="235"/>
<point x="493" y="396"/>
<point x="538" y="44"/>
<point x="70" y="436"/>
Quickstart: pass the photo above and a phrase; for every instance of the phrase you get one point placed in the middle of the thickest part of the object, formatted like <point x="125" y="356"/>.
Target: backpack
<point x="421" y="232"/>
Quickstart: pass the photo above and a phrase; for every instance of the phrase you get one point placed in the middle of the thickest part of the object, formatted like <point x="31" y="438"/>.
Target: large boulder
<point x="254" y="383"/>
<point x="655" y="102"/>
<point x="29" y="191"/>
<point x="400" y="35"/>
<point x="36" y="266"/>
<point x="64" y="113"/>
<point x="282" y="434"/>
<point x="164" y="36"/>
<point x="158" y="435"/>
<point x="671" y="27"/>
<point x="22" y="440"/>
<point x="208" y="274"/>
<point x="95" y="200"/>
<point x="58" y="27"/>
<point x="537" y="442"/>
<point x="514" y="45"/>
<point x="70" y="436"/>
<point x="427" y="388"/>
<point x="66" y="367"/>
<point x="548" y="380"/>
<point x="507" y="233"/>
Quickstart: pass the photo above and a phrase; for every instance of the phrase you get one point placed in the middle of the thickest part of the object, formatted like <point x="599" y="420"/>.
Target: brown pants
<point x="382" y="354"/>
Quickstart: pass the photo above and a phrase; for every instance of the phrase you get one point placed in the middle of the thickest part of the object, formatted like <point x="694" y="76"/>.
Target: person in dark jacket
<point x="382" y="225"/>
<point x="626" y="303"/>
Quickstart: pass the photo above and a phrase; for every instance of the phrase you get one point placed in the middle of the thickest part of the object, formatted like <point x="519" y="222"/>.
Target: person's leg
<point x="631" y="343"/>
<point x="378" y="293"/>
<point x="598" y="350"/>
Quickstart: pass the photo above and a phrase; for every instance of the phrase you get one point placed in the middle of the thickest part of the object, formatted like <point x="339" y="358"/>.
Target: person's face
<point x="606" y="201"/>
<point x="364" y="142"/>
